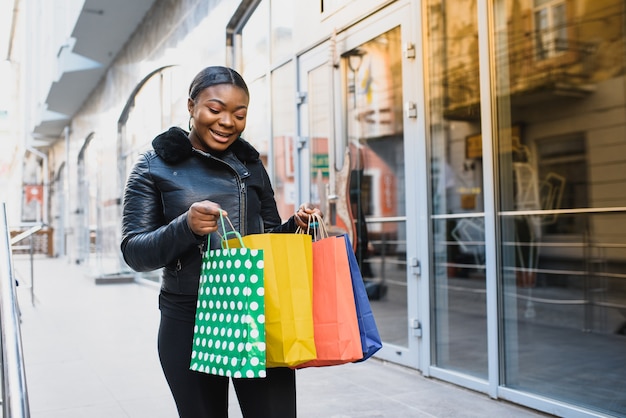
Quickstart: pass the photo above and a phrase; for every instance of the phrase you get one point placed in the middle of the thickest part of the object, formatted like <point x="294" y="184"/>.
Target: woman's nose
<point x="226" y="120"/>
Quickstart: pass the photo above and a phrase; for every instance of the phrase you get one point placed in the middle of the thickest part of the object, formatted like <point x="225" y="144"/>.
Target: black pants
<point x="201" y="395"/>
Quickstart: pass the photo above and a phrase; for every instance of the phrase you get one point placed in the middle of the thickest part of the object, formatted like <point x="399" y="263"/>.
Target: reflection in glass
<point x="257" y="130"/>
<point x="283" y="140"/>
<point x="372" y="178"/>
<point x="281" y="26"/>
<point x="561" y="107"/>
<point x="255" y="45"/>
<point x="459" y="304"/>
<point x="159" y="103"/>
<point x="319" y="132"/>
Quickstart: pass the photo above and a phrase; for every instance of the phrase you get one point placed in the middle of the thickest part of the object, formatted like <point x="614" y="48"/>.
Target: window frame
<point x="548" y="41"/>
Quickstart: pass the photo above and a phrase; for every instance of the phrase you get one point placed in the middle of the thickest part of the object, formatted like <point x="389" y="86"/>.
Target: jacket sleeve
<point x="288" y="227"/>
<point x="147" y="238"/>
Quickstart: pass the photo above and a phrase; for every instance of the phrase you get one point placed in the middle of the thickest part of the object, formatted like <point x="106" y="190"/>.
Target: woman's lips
<point x="221" y="137"/>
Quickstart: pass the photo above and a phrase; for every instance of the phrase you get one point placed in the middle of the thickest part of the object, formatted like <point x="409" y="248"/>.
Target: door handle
<point x="416" y="268"/>
<point x="410" y="108"/>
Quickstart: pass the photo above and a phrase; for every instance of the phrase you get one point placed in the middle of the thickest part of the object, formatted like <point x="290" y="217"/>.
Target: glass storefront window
<point x="561" y="158"/>
<point x="459" y="309"/>
<point x="281" y="24"/>
<point x="283" y="139"/>
<point x="373" y="173"/>
<point x="255" y="47"/>
<point x="158" y="102"/>
<point x="550" y="27"/>
<point x="319" y="131"/>
<point x="258" y="123"/>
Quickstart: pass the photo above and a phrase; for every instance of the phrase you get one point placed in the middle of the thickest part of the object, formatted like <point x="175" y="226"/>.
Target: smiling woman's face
<point x="219" y="117"/>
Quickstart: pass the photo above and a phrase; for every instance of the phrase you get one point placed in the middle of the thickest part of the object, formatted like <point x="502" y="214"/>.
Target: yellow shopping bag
<point x="288" y="280"/>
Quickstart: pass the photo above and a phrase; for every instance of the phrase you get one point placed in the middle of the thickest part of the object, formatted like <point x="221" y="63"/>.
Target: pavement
<point x="90" y="352"/>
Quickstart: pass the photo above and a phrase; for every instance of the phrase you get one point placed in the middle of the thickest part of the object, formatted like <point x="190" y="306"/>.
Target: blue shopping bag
<point x="370" y="338"/>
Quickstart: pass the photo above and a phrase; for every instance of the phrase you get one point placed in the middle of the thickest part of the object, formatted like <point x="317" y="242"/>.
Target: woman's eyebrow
<point x="224" y="104"/>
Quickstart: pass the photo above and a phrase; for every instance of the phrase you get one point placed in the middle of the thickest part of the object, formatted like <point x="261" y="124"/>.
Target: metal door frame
<point x="407" y="16"/>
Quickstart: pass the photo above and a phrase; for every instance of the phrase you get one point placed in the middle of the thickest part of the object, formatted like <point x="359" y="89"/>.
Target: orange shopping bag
<point x="336" y="328"/>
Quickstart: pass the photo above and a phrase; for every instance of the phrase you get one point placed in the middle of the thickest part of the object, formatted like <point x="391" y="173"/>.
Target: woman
<point x="171" y="203"/>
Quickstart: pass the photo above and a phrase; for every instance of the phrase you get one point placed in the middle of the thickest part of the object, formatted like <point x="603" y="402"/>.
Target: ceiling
<point x="102" y="30"/>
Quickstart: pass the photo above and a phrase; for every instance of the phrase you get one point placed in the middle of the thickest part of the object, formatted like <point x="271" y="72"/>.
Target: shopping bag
<point x="337" y="337"/>
<point x="288" y="278"/>
<point x="370" y="338"/>
<point x="229" y="329"/>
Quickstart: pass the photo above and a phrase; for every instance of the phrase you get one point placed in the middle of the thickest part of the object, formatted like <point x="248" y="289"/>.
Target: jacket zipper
<point x="242" y="210"/>
<point x="242" y="192"/>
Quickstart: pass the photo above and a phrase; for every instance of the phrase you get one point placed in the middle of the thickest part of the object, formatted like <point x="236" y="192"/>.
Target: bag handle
<point x="224" y="237"/>
<point x="317" y="224"/>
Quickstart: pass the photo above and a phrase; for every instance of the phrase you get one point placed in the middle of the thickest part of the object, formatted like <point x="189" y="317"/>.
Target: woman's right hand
<point x="203" y="217"/>
<point x="304" y="214"/>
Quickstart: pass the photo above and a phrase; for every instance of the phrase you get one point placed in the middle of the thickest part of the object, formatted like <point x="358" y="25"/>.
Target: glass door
<point x="356" y="163"/>
<point x="458" y="279"/>
<point x="562" y="201"/>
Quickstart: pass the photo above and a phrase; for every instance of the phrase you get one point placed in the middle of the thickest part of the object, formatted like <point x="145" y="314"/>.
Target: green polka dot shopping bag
<point x="229" y="330"/>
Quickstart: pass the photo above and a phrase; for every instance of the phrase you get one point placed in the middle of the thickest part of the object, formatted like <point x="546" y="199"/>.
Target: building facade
<point x="473" y="150"/>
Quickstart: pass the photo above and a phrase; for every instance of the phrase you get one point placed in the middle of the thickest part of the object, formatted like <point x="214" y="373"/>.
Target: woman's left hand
<point x="304" y="214"/>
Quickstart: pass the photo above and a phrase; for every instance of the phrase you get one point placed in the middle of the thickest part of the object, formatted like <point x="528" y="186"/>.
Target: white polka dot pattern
<point x="229" y="331"/>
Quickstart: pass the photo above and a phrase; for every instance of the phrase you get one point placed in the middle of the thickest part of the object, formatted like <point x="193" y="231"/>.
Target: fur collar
<point x="174" y="147"/>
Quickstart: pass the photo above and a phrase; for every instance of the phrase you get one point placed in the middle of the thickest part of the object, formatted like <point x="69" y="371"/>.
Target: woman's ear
<point x="190" y="106"/>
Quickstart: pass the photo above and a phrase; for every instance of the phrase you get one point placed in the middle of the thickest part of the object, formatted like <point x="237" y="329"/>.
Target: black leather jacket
<point x="166" y="181"/>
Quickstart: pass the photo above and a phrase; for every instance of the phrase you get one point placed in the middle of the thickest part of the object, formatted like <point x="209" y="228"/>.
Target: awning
<point x="102" y="29"/>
